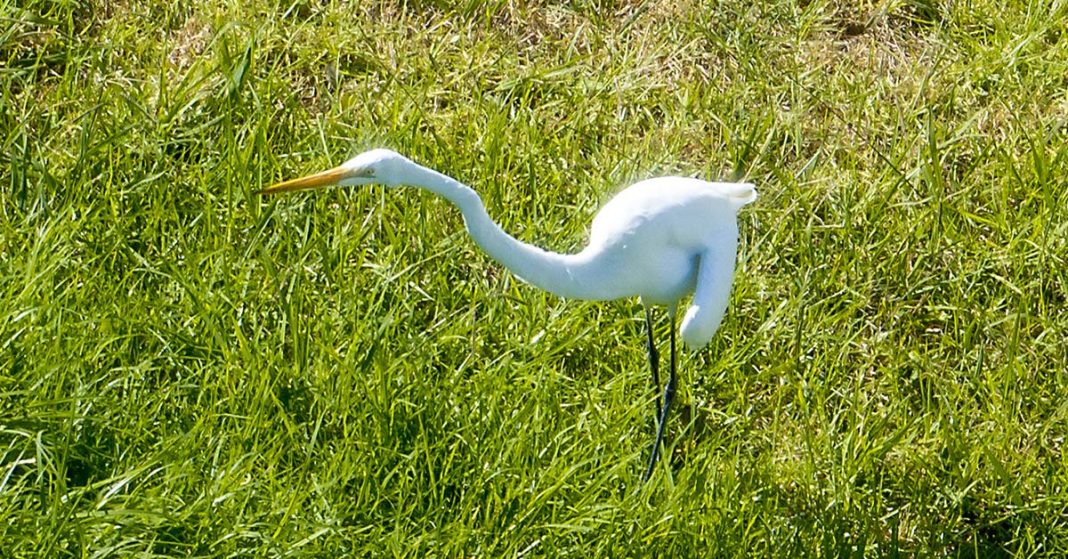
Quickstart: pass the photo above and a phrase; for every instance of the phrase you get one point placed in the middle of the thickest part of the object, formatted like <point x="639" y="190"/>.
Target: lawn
<point x="190" y="370"/>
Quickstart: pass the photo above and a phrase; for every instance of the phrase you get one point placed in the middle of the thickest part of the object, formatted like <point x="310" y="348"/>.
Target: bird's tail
<point x="741" y="194"/>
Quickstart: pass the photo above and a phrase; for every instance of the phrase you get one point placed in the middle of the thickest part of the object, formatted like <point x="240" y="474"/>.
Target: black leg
<point x="654" y="358"/>
<point x="669" y="394"/>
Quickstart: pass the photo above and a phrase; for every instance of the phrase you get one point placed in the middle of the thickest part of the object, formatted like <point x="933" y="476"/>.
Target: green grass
<point x="187" y="370"/>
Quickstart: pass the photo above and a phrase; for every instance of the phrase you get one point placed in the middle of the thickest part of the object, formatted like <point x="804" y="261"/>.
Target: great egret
<point x="660" y="239"/>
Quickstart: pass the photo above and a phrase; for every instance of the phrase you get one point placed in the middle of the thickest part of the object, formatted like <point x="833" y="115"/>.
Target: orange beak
<point x="318" y="180"/>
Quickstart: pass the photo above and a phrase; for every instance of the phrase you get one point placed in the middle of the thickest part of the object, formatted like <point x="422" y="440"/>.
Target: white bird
<point x="660" y="239"/>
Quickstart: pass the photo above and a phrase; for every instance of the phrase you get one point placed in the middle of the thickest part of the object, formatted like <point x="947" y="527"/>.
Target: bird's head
<point x="378" y="166"/>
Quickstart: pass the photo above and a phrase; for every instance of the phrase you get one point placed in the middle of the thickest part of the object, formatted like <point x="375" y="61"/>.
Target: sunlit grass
<point x="189" y="370"/>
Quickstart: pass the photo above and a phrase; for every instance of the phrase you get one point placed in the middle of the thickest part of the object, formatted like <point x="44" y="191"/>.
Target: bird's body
<point x="648" y="239"/>
<point x="659" y="239"/>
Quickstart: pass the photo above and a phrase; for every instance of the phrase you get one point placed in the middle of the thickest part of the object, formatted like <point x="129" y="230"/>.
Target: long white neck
<point x="565" y="275"/>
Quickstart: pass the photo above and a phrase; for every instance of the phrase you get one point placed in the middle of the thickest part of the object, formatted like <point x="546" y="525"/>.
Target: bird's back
<point x="677" y="210"/>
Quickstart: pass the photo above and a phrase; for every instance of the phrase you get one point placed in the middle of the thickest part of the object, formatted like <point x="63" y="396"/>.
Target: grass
<point x="187" y="370"/>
